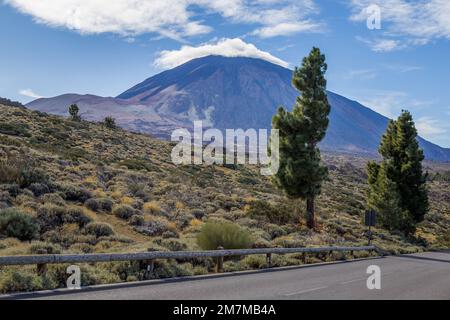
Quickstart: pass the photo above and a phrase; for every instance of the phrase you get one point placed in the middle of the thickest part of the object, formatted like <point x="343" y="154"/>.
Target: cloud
<point x="225" y="47"/>
<point x="363" y="74"/>
<point x="402" y="68"/>
<point x="174" y="19"/>
<point x="408" y="23"/>
<point x="284" y="29"/>
<point x="30" y="94"/>
<point x="382" y="45"/>
<point x="386" y="102"/>
<point x="430" y="127"/>
<point x="385" y="45"/>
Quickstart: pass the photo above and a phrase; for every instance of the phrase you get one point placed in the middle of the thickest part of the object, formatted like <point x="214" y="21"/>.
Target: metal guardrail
<point x="42" y="260"/>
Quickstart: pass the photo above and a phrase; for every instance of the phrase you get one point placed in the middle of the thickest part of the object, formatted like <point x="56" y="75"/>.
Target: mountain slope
<point x="100" y="190"/>
<point x="231" y="93"/>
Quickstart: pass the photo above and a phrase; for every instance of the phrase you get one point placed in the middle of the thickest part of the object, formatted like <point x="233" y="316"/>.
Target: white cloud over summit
<point x="175" y="19"/>
<point x="225" y="47"/>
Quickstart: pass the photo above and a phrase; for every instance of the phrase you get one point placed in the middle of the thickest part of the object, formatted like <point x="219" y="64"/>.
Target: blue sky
<point x="51" y="47"/>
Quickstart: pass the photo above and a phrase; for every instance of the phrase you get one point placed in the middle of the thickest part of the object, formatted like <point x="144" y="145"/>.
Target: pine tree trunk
<point x="310" y="212"/>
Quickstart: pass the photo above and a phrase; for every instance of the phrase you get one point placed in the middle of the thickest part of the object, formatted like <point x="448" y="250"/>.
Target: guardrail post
<point x="219" y="262"/>
<point x="304" y="257"/>
<point x="269" y="260"/>
<point x="41" y="269"/>
<point x="150" y="267"/>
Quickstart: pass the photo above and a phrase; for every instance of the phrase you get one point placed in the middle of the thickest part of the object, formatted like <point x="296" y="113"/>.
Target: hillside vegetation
<point x="80" y="187"/>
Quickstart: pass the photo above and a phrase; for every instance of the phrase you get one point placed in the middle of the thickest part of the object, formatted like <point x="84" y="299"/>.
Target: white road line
<point x="303" y="291"/>
<point x="354" y="280"/>
<point x="361" y="279"/>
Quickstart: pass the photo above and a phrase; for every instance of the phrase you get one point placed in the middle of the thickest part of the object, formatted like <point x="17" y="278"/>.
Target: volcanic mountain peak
<point x="225" y="93"/>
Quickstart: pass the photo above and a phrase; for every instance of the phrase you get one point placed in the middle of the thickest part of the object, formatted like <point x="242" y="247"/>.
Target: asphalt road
<point x="418" y="276"/>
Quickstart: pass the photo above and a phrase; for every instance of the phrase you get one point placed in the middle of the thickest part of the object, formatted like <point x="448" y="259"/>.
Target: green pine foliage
<point x="397" y="187"/>
<point x="301" y="173"/>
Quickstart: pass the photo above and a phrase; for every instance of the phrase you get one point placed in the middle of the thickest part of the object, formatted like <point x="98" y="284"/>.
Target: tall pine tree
<point x="301" y="174"/>
<point x="397" y="187"/>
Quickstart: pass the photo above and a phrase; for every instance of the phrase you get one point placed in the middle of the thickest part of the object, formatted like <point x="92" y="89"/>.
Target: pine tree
<point x="73" y="111"/>
<point x="383" y="196"/>
<point x="397" y="187"/>
<point x="301" y="174"/>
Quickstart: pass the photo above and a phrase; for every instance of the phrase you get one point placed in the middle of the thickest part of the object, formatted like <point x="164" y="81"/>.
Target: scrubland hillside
<point x="79" y="187"/>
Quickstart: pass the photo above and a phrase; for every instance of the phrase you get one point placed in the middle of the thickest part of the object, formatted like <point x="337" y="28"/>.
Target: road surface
<point x="417" y="276"/>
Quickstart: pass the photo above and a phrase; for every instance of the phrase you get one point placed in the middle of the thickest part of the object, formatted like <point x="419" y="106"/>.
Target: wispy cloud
<point x="174" y="19"/>
<point x="382" y="45"/>
<point x="283" y="48"/>
<point x="30" y="94"/>
<point x="402" y="68"/>
<point x="388" y="103"/>
<point x="405" y="23"/>
<point x="225" y="47"/>
<point x="361" y="74"/>
<point x="430" y="127"/>
<point x="287" y="28"/>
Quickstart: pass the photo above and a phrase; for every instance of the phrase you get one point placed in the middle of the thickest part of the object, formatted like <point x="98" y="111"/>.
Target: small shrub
<point x="198" y="213"/>
<point x="13" y="189"/>
<point x="99" y="204"/>
<point x="21" y="170"/>
<point x="152" y="207"/>
<point x="155" y="227"/>
<point x="51" y="216"/>
<point x="223" y="234"/>
<point x="77" y="215"/>
<point x="10" y="141"/>
<point x="254" y="262"/>
<point x="139" y="190"/>
<point x="53" y="198"/>
<point x="92" y="204"/>
<point x="19" y="281"/>
<point x="99" y="229"/>
<point x="44" y="248"/>
<point x="109" y="123"/>
<point x="137" y="220"/>
<point x="124" y="211"/>
<point x="72" y="192"/>
<point x="139" y="164"/>
<point x="15" y="129"/>
<point x="196" y="222"/>
<point x="106" y="204"/>
<point x="280" y="214"/>
<point x="275" y="231"/>
<point x="81" y="248"/>
<point x="5" y="197"/>
<point x="173" y="245"/>
<point x="170" y="234"/>
<point x="39" y="189"/>
<point x="16" y="224"/>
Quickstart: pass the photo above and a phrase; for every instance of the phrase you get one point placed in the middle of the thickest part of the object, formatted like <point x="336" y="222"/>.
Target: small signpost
<point x="370" y="221"/>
